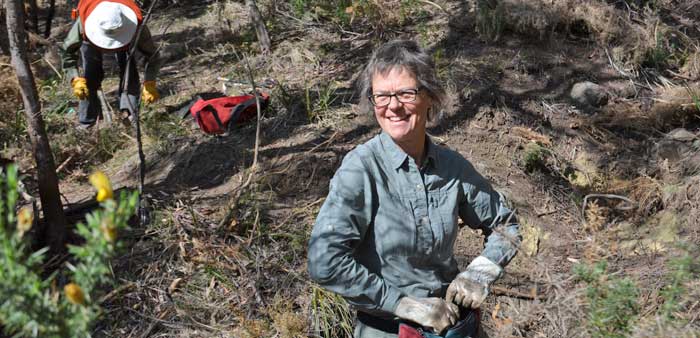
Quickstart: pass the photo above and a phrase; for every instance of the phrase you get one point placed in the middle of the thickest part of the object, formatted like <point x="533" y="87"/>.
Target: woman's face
<point x="403" y="121"/>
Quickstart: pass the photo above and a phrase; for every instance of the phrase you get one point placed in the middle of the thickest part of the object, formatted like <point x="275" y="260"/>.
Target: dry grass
<point x="644" y="190"/>
<point x="10" y="102"/>
<point x="670" y="106"/>
<point x="636" y="36"/>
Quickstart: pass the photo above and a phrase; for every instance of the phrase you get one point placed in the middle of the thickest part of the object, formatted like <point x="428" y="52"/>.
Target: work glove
<point x="470" y="288"/>
<point x="150" y="93"/>
<point x="80" y="89"/>
<point x="434" y="313"/>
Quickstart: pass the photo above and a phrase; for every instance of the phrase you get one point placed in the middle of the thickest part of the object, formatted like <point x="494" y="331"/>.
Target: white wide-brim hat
<point x="111" y="25"/>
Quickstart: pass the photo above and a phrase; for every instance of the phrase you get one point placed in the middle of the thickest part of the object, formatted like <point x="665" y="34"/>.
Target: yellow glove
<point x="150" y="93"/>
<point x="80" y="89"/>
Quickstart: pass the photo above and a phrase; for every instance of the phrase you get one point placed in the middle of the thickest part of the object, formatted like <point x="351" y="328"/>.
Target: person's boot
<point x="84" y="126"/>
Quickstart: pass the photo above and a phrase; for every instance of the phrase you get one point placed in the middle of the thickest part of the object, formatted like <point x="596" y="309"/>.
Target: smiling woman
<point x="403" y="119"/>
<point x="384" y="237"/>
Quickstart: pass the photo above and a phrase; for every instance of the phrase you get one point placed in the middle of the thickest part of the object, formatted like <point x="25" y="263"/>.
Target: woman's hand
<point x="466" y="292"/>
<point x="470" y="288"/>
<point x="434" y="313"/>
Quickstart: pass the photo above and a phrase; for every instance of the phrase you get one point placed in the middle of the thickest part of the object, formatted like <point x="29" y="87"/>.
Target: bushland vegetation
<point x="586" y="113"/>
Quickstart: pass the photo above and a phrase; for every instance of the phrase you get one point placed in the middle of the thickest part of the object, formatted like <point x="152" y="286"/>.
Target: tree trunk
<point x="259" y="24"/>
<point x="49" y="18"/>
<point x="33" y="15"/>
<point x="53" y="232"/>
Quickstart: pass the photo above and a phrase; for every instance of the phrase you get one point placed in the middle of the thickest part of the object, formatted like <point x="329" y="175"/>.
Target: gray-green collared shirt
<point x="388" y="228"/>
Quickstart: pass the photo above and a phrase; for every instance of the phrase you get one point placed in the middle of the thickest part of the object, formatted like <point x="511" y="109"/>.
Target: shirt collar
<point x="398" y="157"/>
<point x="431" y="157"/>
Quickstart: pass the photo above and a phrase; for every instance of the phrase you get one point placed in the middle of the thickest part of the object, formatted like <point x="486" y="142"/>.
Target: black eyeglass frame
<point x="372" y="97"/>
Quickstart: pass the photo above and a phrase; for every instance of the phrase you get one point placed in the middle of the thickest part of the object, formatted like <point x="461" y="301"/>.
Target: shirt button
<point x="419" y="187"/>
<point x="424" y="221"/>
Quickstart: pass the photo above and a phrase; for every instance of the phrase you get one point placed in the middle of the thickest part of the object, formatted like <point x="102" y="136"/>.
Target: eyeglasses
<point x="403" y="96"/>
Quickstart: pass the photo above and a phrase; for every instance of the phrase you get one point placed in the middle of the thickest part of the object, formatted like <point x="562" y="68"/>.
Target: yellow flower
<point x="25" y="218"/>
<point x="108" y="230"/>
<point x="101" y="182"/>
<point x="74" y="294"/>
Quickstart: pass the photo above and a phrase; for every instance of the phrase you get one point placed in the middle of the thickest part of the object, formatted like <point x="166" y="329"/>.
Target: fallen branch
<point x="106" y="107"/>
<point x="501" y="291"/>
<point x="63" y="165"/>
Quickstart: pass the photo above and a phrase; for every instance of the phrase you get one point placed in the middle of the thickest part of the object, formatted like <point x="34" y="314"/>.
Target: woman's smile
<point x="403" y="121"/>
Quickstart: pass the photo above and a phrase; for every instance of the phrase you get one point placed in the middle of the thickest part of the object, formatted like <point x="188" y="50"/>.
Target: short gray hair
<point x="406" y="55"/>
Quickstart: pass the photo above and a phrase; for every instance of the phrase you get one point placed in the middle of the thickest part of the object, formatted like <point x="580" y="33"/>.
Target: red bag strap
<point x="85" y="7"/>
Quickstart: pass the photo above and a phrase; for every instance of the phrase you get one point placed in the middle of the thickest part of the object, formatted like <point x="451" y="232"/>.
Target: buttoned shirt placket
<point x="424" y="231"/>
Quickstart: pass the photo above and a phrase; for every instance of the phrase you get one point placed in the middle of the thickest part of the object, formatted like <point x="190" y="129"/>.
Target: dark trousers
<point x="90" y="109"/>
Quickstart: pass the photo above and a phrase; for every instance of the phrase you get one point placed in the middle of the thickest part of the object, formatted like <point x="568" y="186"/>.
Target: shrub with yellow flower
<point x="35" y="308"/>
<point x="74" y="294"/>
<point x="101" y="182"/>
<point x="25" y="218"/>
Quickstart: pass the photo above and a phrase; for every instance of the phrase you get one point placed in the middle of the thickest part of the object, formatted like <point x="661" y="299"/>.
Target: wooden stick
<point x="501" y="291"/>
<point x="60" y="167"/>
<point x="106" y="107"/>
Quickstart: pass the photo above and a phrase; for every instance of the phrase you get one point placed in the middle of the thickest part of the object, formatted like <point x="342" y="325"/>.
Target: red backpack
<point x="216" y="116"/>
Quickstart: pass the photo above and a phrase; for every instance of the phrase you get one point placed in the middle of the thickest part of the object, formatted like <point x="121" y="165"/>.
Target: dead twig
<point x="55" y="70"/>
<point x="545" y="213"/>
<point x="109" y="112"/>
<point x="255" y="227"/>
<point x="117" y="291"/>
<point x="434" y="4"/>
<point x="328" y="141"/>
<point x="501" y="291"/>
<point x="64" y="163"/>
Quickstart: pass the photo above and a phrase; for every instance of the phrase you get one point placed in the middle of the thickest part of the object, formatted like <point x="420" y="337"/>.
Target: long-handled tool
<point x="144" y="212"/>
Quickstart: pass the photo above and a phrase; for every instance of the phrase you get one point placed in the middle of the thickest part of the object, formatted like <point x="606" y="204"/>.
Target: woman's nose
<point x="394" y="102"/>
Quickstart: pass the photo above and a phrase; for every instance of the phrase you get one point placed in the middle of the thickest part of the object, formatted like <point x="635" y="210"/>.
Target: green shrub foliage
<point x="63" y="303"/>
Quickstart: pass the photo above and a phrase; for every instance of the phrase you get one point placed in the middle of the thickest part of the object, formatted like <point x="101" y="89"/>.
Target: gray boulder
<point x="682" y="135"/>
<point x="589" y="96"/>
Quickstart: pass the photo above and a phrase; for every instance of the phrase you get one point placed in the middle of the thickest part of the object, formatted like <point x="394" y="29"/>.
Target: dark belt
<point x="378" y="323"/>
<point x="392" y="326"/>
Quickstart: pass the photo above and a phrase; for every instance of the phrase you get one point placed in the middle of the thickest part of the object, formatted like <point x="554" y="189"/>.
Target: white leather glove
<point x="470" y="288"/>
<point x="433" y="313"/>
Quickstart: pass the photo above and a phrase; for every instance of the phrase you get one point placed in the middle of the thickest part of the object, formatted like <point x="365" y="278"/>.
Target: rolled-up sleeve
<point x="342" y="223"/>
<point x="148" y="48"/>
<point x="484" y="208"/>
<point x="69" y="51"/>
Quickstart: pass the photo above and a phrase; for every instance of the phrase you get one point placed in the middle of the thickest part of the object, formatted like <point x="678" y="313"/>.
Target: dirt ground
<point x="187" y="275"/>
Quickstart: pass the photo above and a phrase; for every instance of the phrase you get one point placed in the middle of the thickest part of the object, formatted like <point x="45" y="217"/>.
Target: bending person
<point x="385" y="235"/>
<point x="108" y="26"/>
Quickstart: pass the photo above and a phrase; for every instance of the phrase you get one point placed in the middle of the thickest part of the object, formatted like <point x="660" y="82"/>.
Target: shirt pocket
<point x="395" y="232"/>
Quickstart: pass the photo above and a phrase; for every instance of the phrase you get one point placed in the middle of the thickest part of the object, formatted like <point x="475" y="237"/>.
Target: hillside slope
<point x="610" y="174"/>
